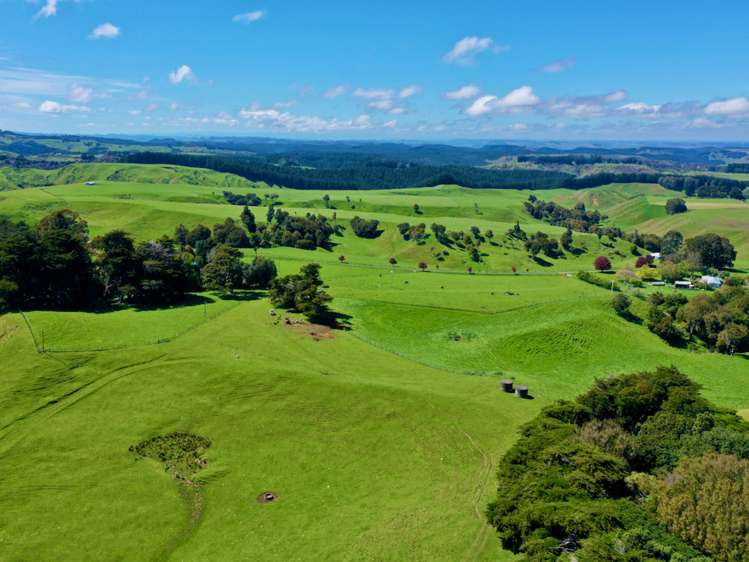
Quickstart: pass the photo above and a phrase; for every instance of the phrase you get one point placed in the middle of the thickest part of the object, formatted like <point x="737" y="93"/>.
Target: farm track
<point x="57" y="405"/>
<point x="479" y="540"/>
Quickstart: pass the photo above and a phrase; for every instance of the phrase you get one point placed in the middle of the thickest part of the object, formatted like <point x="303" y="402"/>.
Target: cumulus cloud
<point x="49" y="106"/>
<point x="249" y="17"/>
<point x="105" y="31"/>
<point x="183" y="73"/>
<point x="559" y="65"/>
<point x="335" y="92"/>
<point x="731" y="106"/>
<point x="283" y="120"/>
<point x="464" y="51"/>
<point x="464" y="93"/>
<point x="409" y="91"/>
<point x="517" y="100"/>
<point x="48" y="10"/>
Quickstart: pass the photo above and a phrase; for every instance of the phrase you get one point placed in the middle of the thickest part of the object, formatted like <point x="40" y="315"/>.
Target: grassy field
<point x="380" y="442"/>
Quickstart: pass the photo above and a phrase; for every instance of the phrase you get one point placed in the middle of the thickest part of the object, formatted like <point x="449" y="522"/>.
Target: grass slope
<point x="381" y="443"/>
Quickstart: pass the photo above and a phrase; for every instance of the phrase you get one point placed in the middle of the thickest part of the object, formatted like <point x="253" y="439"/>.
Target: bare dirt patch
<point x="317" y="332"/>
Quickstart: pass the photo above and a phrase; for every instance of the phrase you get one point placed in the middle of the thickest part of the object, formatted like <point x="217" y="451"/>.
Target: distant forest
<point x="353" y="171"/>
<point x="361" y="171"/>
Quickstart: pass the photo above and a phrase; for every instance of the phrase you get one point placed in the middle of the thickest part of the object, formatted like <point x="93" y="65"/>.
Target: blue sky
<point x="435" y="70"/>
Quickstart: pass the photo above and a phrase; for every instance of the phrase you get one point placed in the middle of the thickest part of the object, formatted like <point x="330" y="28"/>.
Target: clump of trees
<point x="704" y="186"/>
<point x="717" y="320"/>
<point x="302" y="292"/>
<point x="364" y="228"/>
<point x="577" y="218"/>
<point x="56" y="266"/>
<point x="249" y="199"/>
<point x="675" y="206"/>
<point x="640" y="467"/>
<point x="415" y="232"/>
<point x="540" y="242"/>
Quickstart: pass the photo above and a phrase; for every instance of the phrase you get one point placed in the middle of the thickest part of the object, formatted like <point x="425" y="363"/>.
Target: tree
<point x="365" y="228"/>
<point x="417" y="209"/>
<point x="392" y="261"/>
<point x="671" y="243"/>
<point x="706" y="501"/>
<point x="259" y="274"/>
<point x="65" y="274"/>
<point x="301" y="292"/>
<point x="621" y="304"/>
<point x="566" y="239"/>
<point x="180" y="235"/>
<point x="602" y="263"/>
<point x="675" y="206"/>
<point x="711" y="250"/>
<point x="423" y="265"/>
<point x="223" y="272"/>
<point x="248" y="220"/>
<point x="198" y="234"/>
<point x="326" y="201"/>
<point x="116" y="264"/>
<point x="164" y="277"/>
<point x="342" y="258"/>
<point x="732" y="338"/>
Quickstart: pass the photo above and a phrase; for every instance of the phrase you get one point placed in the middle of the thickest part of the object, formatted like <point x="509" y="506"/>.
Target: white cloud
<point x="49" y="106"/>
<point x="81" y="94"/>
<point x="249" y="17"/>
<point x="183" y="73"/>
<point x="702" y="123"/>
<point x="48" y="10"/>
<point x="409" y="91"/>
<point x="559" y="65"/>
<point x="483" y="105"/>
<point x="274" y="119"/>
<point x="517" y="100"/>
<point x="383" y="104"/>
<point x="732" y="106"/>
<point x="639" y="108"/>
<point x="464" y="51"/>
<point x="284" y="104"/>
<point x="519" y="127"/>
<point x="335" y="92"/>
<point x="105" y="31"/>
<point x="616" y="95"/>
<point x="373" y="93"/>
<point x="400" y="110"/>
<point x="463" y="93"/>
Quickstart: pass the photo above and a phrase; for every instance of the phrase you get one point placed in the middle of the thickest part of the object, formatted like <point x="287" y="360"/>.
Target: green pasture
<point x="381" y="442"/>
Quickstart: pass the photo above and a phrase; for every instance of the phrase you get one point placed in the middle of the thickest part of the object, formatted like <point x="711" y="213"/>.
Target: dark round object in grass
<point x="521" y="391"/>
<point x="267" y="497"/>
<point x="507" y="385"/>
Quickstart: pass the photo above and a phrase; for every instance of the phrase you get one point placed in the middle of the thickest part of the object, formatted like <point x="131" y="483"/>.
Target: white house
<point x="712" y="281"/>
<point x="655" y="255"/>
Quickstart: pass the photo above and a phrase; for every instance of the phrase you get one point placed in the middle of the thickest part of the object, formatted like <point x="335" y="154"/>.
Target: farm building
<point x="90" y="183"/>
<point x="658" y="283"/>
<point x="712" y="281"/>
<point x="683" y="285"/>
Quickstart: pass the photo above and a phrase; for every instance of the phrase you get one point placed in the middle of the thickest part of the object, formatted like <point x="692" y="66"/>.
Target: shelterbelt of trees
<point x="639" y="468"/>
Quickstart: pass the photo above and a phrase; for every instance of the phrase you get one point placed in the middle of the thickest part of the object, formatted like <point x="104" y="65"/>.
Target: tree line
<point x="640" y="467"/>
<point x="346" y="173"/>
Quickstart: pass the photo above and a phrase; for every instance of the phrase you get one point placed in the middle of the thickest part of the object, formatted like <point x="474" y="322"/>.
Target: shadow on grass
<point x="629" y="317"/>
<point x="334" y="320"/>
<point x="542" y="262"/>
<point x="241" y="295"/>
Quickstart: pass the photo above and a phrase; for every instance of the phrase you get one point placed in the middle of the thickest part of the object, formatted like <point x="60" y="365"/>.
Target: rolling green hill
<point x="380" y="441"/>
